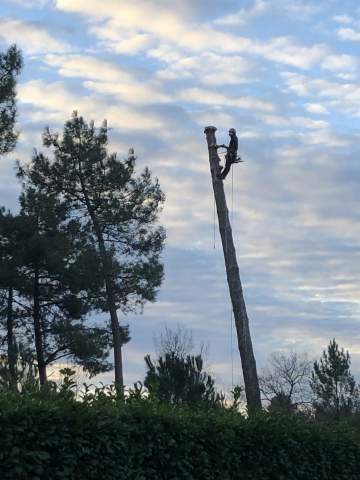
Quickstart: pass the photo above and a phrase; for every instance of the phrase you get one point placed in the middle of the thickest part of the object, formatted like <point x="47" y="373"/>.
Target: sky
<point x="285" y="74"/>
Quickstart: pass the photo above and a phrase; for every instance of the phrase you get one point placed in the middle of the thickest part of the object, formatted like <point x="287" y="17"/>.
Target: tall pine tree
<point x="118" y="210"/>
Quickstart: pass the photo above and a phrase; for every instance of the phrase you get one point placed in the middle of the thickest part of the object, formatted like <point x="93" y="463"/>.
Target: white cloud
<point x="340" y="62"/>
<point x="346" y="19"/>
<point x="86" y="66"/>
<point x="50" y="96"/>
<point x="219" y="117"/>
<point x="31" y="38"/>
<point x="243" y="15"/>
<point x="293" y="121"/>
<point x="316" y="108"/>
<point x="169" y="28"/>
<point x="54" y="102"/>
<point x="300" y="9"/>
<point x="107" y="78"/>
<point x="344" y="97"/>
<point x="123" y="42"/>
<point x="139" y="17"/>
<point x="136" y="93"/>
<point x="347" y="76"/>
<point x="208" y="68"/>
<point x="31" y="3"/>
<point x="286" y="50"/>
<point x="211" y="97"/>
<point x="349" y="34"/>
<point x="306" y="122"/>
<point x="325" y="137"/>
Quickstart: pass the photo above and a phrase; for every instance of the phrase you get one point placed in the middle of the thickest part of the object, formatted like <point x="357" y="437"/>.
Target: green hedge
<point x="69" y="440"/>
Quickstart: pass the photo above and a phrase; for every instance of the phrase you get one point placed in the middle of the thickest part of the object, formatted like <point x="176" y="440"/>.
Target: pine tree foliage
<point x="332" y="383"/>
<point x="57" y="288"/>
<point x="115" y="205"/>
<point x="174" y="379"/>
<point x="10" y="66"/>
<point x="118" y="210"/>
<point x="48" y="273"/>
<point x="86" y="239"/>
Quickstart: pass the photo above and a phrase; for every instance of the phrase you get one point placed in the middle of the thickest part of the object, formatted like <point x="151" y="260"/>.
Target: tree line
<point x="85" y="239"/>
<point x="290" y="384"/>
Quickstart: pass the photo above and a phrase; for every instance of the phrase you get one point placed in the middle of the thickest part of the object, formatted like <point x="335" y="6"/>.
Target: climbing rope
<point x="226" y="247"/>
<point x="232" y="194"/>
<point x="231" y="309"/>
<point x="231" y="349"/>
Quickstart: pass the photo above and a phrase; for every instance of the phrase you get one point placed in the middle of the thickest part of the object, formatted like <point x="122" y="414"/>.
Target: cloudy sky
<point x="285" y="74"/>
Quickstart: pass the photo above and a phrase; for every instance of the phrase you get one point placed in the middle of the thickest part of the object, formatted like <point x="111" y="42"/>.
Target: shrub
<point x="60" y="438"/>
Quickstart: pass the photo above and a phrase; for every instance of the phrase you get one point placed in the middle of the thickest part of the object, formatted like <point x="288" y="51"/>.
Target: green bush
<point x="54" y="438"/>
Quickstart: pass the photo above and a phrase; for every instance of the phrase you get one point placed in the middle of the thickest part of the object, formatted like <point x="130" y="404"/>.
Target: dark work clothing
<point x="231" y="155"/>
<point x="233" y="145"/>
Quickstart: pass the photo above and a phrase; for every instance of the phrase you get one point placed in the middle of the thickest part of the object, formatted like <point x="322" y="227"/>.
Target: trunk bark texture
<point x="11" y="344"/>
<point x="115" y="325"/>
<point x="38" y="330"/>
<point x="248" y="362"/>
<point x="106" y="265"/>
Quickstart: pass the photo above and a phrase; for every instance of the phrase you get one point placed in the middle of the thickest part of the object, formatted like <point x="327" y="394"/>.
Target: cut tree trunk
<point x="248" y="362"/>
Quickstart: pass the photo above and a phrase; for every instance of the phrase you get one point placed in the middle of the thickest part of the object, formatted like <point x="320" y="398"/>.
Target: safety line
<point x="231" y="309"/>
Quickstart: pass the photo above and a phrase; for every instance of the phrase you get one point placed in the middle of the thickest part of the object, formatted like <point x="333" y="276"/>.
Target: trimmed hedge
<point x="141" y="441"/>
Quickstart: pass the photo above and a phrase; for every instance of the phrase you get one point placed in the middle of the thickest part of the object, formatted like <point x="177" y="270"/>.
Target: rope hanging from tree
<point x="226" y="245"/>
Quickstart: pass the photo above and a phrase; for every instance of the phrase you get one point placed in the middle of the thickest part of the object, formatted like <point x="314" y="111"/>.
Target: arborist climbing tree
<point x="248" y="362"/>
<point x="231" y="154"/>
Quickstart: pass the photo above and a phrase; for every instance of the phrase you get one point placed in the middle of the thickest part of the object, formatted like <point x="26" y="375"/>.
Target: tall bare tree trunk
<point x="248" y="362"/>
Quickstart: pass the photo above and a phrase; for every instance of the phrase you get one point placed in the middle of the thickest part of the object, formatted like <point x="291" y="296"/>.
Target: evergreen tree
<point x="10" y="66"/>
<point x="12" y="313"/>
<point x="120" y="213"/>
<point x="175" y="379"/>
<point x="335" y="390"/>
<point x="56" y="277"/>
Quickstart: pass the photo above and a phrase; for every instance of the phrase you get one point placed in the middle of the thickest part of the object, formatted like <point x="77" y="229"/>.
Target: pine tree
<point x="120" y="213"/>
<point x="10" y="66"/>
<point x="175" y="379"/>
<point x="57" y="277"/>
<point x="336" y="393"/>
<point x="12" y="314"/>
